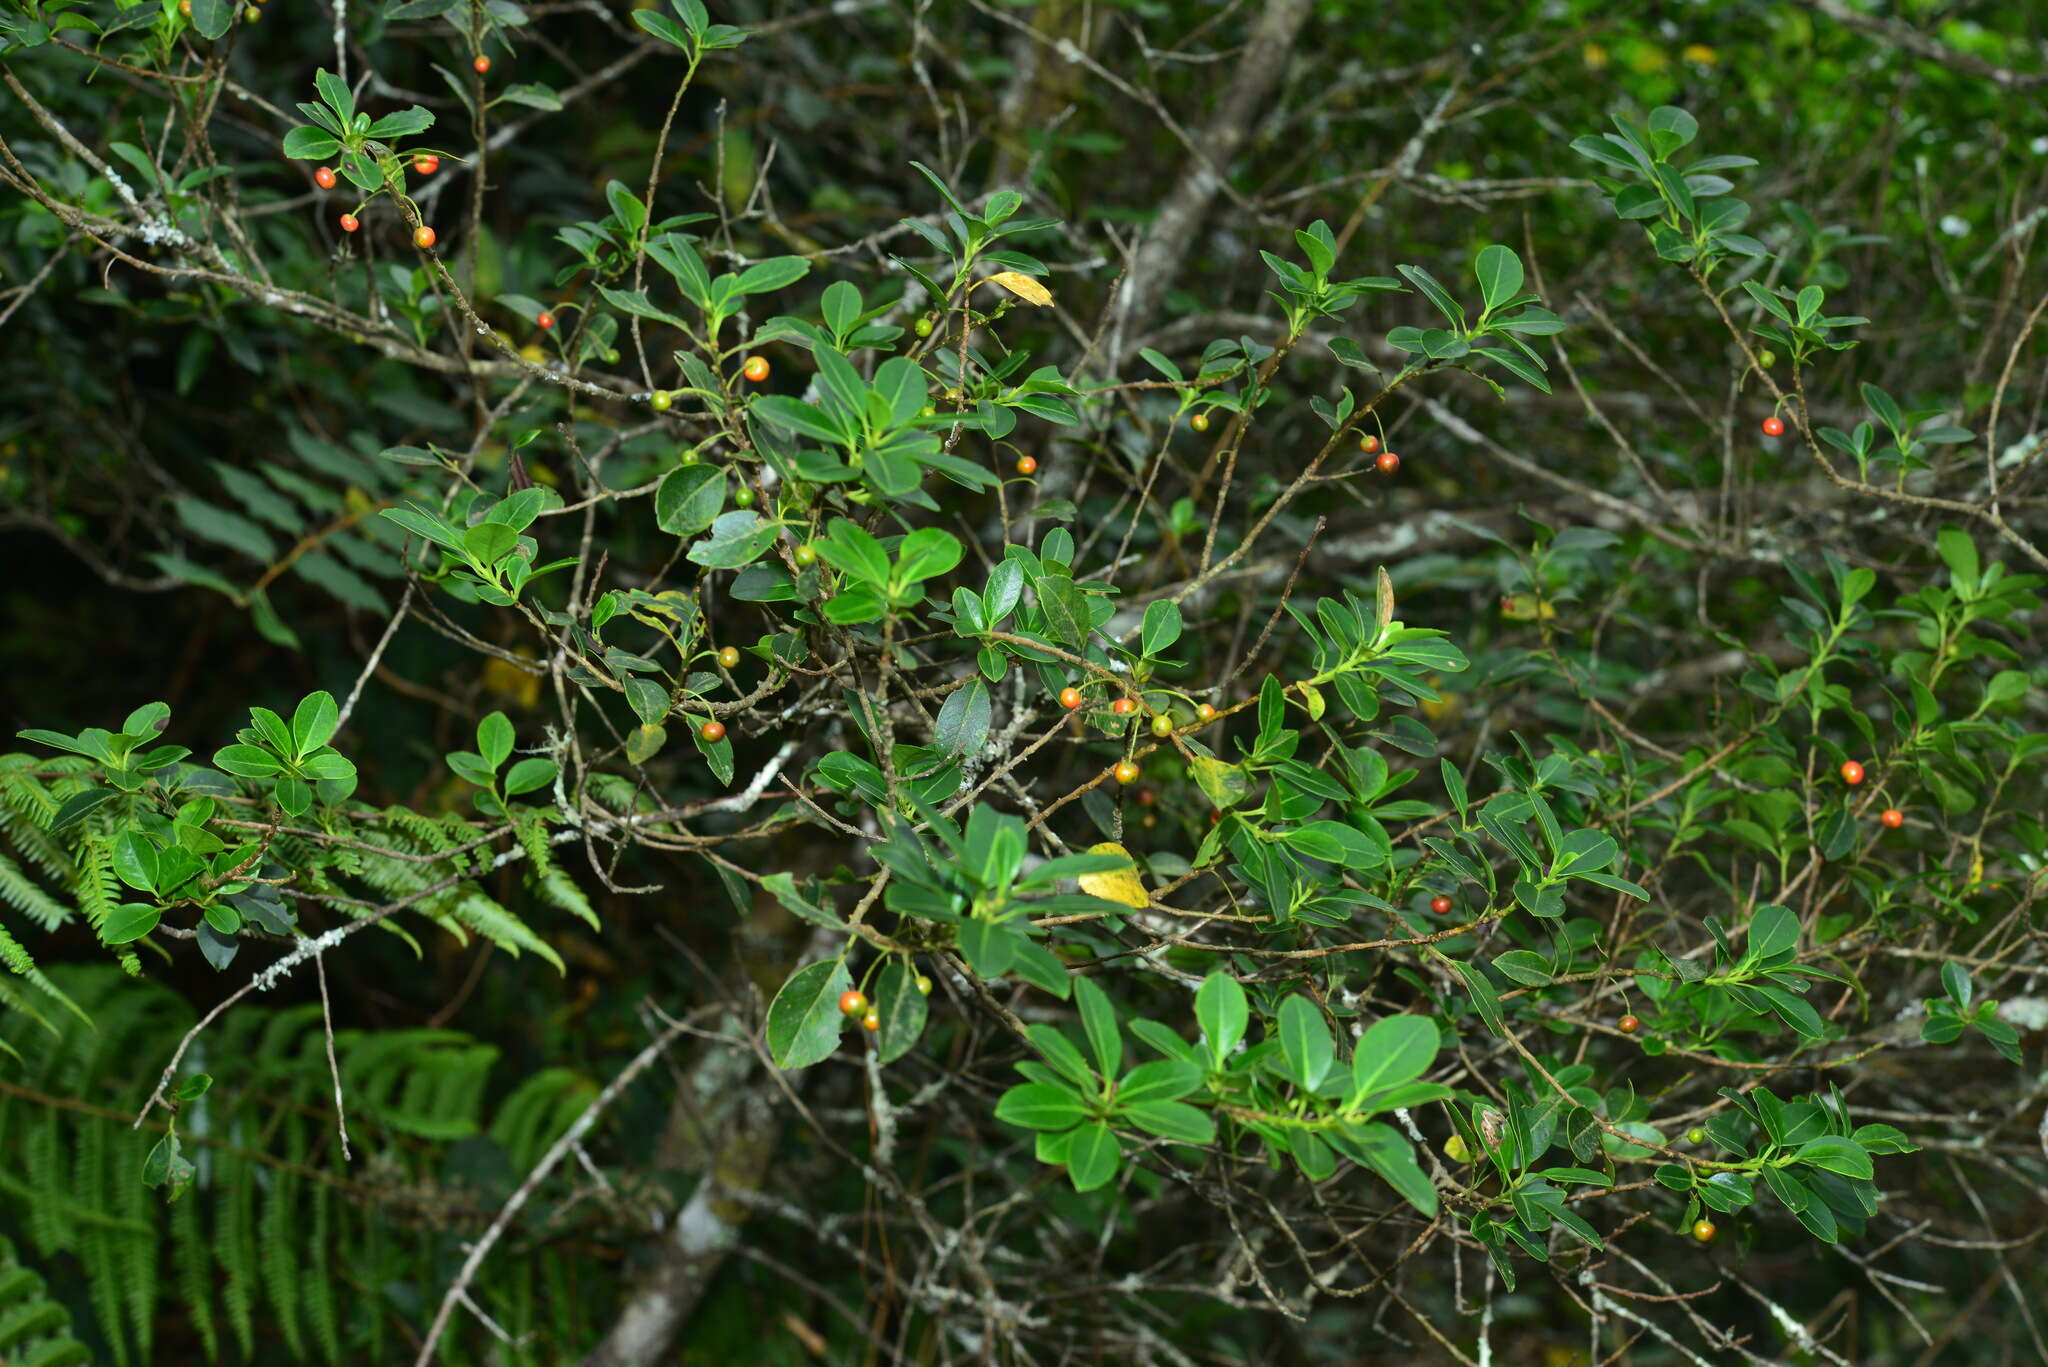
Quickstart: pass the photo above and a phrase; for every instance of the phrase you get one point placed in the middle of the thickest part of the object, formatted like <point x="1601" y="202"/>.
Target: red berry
<point x="712" y="731"/>
<point x="349" y="223"/>
<point x="1070" y="698"/>
<point x="545" y="320"/>
<point x="1892" y="817"/>
<point x="853" y="1002"/>
<point x="1146" y="797"/>
<point x="1027" y="465"/>
<point x="1125" y="772"/>
<point x="1704" y="1231"/>
<point x="324" y="177"/>
<point x="756" y="368"/>
<point x="1200" y="422"/>
<point x="1627" y="1025"/>
<point x="426" y="163"/>
<point x="1388" y="462"/>
<point x="729" y="657"/>
<point x="423" y="239"/>
<point x="1439" y="905"/>
<point x="1852" y="772"/>
<point x="1369" y="444"/>
<point x="1773" y="427"/>
<point x="1123" y="707"/>
<point x="482" y="64"/>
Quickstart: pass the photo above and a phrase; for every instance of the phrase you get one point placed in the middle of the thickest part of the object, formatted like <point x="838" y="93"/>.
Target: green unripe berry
<point x="1695" y="1135"/>
<point x="1162" y="725"/>
<point x="660" y="400"/>
<point x="743" y="496"/>
<point x="924" y="327"/>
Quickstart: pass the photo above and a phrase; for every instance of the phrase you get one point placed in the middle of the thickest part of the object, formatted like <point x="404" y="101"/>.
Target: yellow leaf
<point x="1023" y="286"/>
<point x="1121" y="886"/>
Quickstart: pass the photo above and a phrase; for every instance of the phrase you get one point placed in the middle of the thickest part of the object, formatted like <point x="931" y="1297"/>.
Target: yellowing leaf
<point x="1223" y="784"/>
<point x="1525" y="607"/>
<point x="1122" y="886"/>
<point x="1023" y="286"/>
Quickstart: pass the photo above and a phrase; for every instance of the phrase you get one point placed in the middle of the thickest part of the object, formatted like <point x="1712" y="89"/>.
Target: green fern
<point x="35" y="1331"/>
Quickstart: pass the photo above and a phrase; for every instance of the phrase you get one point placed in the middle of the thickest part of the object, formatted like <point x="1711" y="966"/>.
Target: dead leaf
<point x="1023" y="286"/>
<point x="1121" y="886"/>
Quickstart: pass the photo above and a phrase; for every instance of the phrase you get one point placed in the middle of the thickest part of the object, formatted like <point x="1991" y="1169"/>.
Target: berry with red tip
<point x="1439" y="905"/>
<point x="728" y="657"/>
<point x="1892" y="817"/>
<point x="1070" y="698"/>
<point x="1204" y="712"/>
<point x="712" y="731"/>
<point x="423" y="238"/>
<point x="756" y="369"/>
<point x="853" y="1002"/>
<point x="1125" y="772"/>
<point x="426" y="163"/>
<point x="1123" y="707"/>
<point x="1369" y="444"/>
<point x="1852" y="772"/>
<point x="324" y="177"/>
<point x="1704" y="1231"/>
<point x="1200" y="422"/>
<point x="1388" y="462"/>
<point x="1027" y="465"/>
<point x="482" y="64"/>
<point x="872" y="1021"/>
<point x="1628" y="1025"/>
<point x="349" y="223"/>
<point x="544" y="320"/>
<point x="1774" y="426"/>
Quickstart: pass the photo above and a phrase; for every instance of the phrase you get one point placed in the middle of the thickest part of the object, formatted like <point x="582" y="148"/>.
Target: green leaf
<point x="1955" y="981"/>
<point x="314" y="722"/>
<point x="1305" y="1041"/>
<point x="737" y="538"/>
<point x="244" y="761"/>
<point x="1221" y="1011"/>
<point x="78" y="806"/>
<point x="130" y="921"/>
<point x="804" y="1019"/>
<point x="1175" y="1120"/>
<point x="1040" y="1106"/>
<point x="925" y="554"/>
<point x="1162" y="626"/>
<point x="1835" y="1154"/>
<point x="136" y="860"/>
<point x="305" y="143"/>
<point x="1161" y="1080"/>
<point x="1065" y="608"/>
<point x="528" y="775"/>
<point x="1092" y="1156"/>
<point x="1394" y="1050"/>
<point x="902" y="1009"/>
<point x="782" y="887"/>
<point x="964" y="720"/>
<point x="1773" y="931"/>
<point x="853" y="552"/>
<point x="1098" y="1021"/>
<point x="1500" y="275"/>
<point x="689" y="498"/>
<point x="494" y="739"/>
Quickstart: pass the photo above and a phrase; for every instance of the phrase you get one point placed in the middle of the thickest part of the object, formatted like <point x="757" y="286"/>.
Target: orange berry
<point x="1204" y="712"/>
<point x="1388" y="462"/>
<point x="544" y="320"/>
<point x="1628" y="1025"/>
<point x="482" y="64"/>
<point x="324" y="177"/>
<point x="1200" y="422"/>
<point x="424" y="239"/>
<point x="1125" y="772"/>
<point x="729" y="657"/>
<point x="426" y="163"/>
<point x="1852" y="772"/>
<point x="1070" y="698"/>
<point x="1892" y="817"/>
<point x="1704" y="1231"/>
<point x="1123" y="707"/>
<point x="349" y="223"/>
<point x="1369" y="444"/>
<point x="712" y="731"/>
<point x="756" y="368"/>
<point x="872" y="1021"/>
<point x="853" y="1002"/>
<point x="1027" y="465"/>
